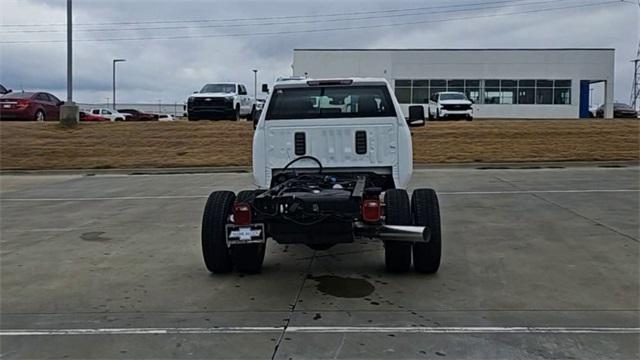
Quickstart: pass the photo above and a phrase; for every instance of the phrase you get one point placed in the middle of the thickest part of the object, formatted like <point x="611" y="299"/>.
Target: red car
<point x="90" y="117"/>
<point x="137" y="115"/>
<point x="38" y="106"/>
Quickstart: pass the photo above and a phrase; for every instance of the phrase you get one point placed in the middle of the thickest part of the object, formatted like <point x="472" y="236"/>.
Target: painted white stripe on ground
<point x="204" y="196"/>
<point x="325" y="329"/>
<point x="534" y="192"/>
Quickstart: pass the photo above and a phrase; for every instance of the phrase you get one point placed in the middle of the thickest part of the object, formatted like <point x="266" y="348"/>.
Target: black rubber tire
<point x="426" y="212"/>
<point x="469" y="118"/>
<point x="397" y="254"/>
<point x="44" y="116"/>
<point x="237" y="116"/>
<point x="193" y="118"/>
<point x="248" y="258"/>
<point x="216" y="255"/>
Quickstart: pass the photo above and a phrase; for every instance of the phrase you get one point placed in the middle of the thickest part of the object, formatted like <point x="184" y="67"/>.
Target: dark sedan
<point x="137" y="115"/>
<point x="38" y="106"/>
<point x="619" y="111"/>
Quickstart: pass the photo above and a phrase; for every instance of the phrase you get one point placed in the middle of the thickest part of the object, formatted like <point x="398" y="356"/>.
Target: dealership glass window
<point x="562" y="92"/>
<point x="455" y="85"/>
<point x="403" y="91"/>
<point x="437" y="86"/>
<point x="492" y="91"/>
<point x="420" y="92"/>
<point x="544" y="92"/>
<point x="526" y="92"/>
<point x="472" y="90"/>
<point x="562" y="96"/>
<point x="508" y="92"/>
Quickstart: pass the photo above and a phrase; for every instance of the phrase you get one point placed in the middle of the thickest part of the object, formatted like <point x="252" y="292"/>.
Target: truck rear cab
<point x="331" y="159"/>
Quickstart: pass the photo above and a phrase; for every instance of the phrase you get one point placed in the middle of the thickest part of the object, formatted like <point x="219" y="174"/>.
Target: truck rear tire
<point x="236" y="114"/>
<point x="248" y="258"/>
<point x="397" y="254"/>
<point x="214" y="243"/>
<point x="426" y="212"/>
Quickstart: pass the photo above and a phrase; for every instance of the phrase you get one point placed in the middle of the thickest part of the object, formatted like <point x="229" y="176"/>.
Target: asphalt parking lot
<point x="537" y="264"/>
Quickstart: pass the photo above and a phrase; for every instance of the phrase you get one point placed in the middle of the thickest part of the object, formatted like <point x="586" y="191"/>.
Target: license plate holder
<point x="245" y="234"/>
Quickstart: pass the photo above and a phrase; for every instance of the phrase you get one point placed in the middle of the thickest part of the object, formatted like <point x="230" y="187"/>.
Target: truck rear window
<point x="330" y="102"/>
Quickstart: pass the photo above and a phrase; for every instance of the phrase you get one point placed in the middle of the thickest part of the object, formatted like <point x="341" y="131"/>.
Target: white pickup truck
<point x="332" y="160"/>
<point x="221" y="101"/>
<point x="450" y="105"/>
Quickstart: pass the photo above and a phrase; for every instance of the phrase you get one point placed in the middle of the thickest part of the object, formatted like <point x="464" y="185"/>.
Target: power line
<point x="317" y="30"/>
<point x="258" y="18"/>
<point x="476" y="8"/>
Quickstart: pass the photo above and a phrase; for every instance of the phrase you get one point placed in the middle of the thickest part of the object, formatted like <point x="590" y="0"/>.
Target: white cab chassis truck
<point x="221" y="101"/>
<point x="332" y="159"/>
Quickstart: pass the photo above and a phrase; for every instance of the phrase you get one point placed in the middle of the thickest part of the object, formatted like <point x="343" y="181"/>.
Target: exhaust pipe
<point x="404" y="233"/>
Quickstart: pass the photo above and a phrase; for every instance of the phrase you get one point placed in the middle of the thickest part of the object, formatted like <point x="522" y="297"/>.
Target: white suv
<point x="332" y="159"/>
<point x="221" y="101"/>
<point x="450" y="105"/>
<point x="112" y="115"/>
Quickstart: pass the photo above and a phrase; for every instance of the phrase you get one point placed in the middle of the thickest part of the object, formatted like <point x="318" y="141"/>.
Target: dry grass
<point x="183" y="144"/>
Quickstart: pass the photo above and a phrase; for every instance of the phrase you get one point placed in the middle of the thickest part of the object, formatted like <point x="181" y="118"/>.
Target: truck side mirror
<point x="265" y="88"/>
<point x="416" y="116"/>
<point x="195" y="92"/>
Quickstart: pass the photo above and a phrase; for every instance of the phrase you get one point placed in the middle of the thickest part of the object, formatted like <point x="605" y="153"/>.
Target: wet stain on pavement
<point x="343" y="287"/>
<point x="94" y="236"/>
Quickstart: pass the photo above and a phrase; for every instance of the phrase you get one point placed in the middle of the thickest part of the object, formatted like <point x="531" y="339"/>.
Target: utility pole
<point x="114" y="80"/>
<point x="635" y="90"/>
<point x="255" y="84"/>
<point x="635" y="85"/>
<point x="69" y="112"/>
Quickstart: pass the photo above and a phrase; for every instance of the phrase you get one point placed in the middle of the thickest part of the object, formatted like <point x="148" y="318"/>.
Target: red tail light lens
<point x="371" y="210"/>
<point x="22" y="104"/>
<point x="242" y="214"/>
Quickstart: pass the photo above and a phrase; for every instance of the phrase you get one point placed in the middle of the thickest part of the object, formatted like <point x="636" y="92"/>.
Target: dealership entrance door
<point x="592" y="95"/>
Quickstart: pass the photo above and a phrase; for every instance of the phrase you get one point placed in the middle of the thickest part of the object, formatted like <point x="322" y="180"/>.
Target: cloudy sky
<point x="173" y="47"/>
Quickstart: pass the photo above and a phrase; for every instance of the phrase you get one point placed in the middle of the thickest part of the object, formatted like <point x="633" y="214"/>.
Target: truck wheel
<point x="397" y="254"/>
<point x="237" y="113"/>
<point x="248" y="258"/>
<point x="426" y="212"/>
<point x="214" y="243"/>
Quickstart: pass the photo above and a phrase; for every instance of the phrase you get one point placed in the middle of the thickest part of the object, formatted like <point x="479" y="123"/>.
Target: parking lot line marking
<point x="586" y="191"/>
<point x="326" y="329"/>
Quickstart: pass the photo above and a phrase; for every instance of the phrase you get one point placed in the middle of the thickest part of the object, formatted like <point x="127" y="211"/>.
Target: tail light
<point x="22" y="104"/>
<point x="242" y="214"/>
<point x="371" y="210"/>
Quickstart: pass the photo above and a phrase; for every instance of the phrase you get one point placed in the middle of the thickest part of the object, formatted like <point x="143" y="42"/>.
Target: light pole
<point x="255" y="84"/>
<point x="69" y="112"/>
<point x="114" y="80"/>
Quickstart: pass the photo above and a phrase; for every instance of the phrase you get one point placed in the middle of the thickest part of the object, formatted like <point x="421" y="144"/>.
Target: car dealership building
<point x="503" y="83"/>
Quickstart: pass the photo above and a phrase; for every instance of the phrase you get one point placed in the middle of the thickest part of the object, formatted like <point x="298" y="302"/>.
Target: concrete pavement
<point x="539" y="263"/>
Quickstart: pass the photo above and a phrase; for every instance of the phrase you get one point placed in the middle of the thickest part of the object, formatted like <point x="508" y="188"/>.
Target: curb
<point x="248" y="169"/>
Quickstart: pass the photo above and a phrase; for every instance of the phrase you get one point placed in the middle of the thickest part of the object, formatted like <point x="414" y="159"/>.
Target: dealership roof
<point x="485" y="49"/>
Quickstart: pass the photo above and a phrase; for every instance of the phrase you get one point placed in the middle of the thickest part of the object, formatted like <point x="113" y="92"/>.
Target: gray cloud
<point x="170" y="70"/>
